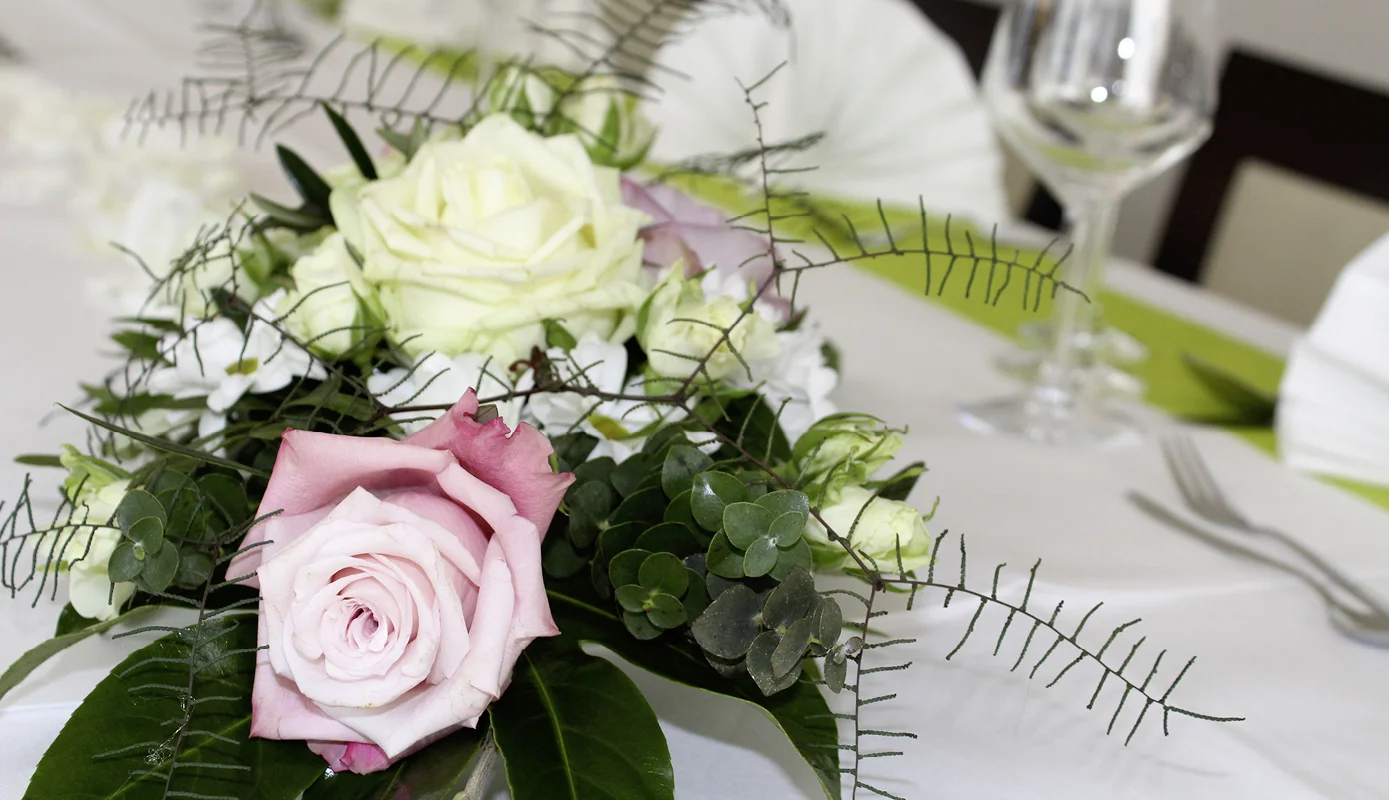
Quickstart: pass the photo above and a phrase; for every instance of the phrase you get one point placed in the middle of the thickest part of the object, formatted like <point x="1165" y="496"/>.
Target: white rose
<point x="327" y="310"/>
<point x="682" y="325"/>
<point x="883" y="525"/>
<point x="479" y="240"/>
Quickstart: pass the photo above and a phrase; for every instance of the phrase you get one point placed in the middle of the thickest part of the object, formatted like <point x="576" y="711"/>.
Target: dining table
<point x="1314" y="705"/>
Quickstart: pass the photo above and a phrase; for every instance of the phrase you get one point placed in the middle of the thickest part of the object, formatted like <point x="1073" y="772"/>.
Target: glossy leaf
<point x="573" y="727"/>
<point x="785" y="501"/>
<point x="681" y="465"/>
<point x="723" y="559"/>
<point x="760" y="558"/>
<point x="125" y="563"/>
<point x="745" y="523"/>
<point x="628" y="476"/>
<point x="632" y="597"/>
<point x="625" y="568"/>
<point x="647" y="505"/>
<point x="147" y="533"/>
<point x="159" y="570"/>
<point x="679" y="510"/>
<point x="228" y="764"/>
<point x="710" y="493"/>
<point x="729" y="625"/>
<point x="352" y="142"/>
<point x="828" y="621"/>
<point x="310" y="187"/>
<point x="836" y="670"/>
<point x="797" y="555"/>
<point x="670" y="537"/>
<point x="786" y="529"/>
<point x="69" y="621"/>
<point x="663" y="572"/>
<point x="792" y="648"/>
<point x="696" y="597"/>
<point x="759" y="664"/>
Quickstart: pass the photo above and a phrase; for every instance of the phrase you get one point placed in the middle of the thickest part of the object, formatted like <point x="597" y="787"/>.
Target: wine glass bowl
<point x="1096" y="97"/>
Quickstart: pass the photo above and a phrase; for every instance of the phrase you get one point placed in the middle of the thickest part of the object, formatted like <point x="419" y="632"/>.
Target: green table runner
<point x="1172" y="387"/>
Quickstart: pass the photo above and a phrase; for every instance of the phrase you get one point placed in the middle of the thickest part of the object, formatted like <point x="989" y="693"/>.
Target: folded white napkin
<point x="1333" y="406"/>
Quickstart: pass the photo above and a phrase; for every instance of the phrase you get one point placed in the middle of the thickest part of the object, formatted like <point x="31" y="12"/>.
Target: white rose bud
<point x="523" y="94"/>
<point x="845" y="449"/>
<point x="608" y="121"/>
<point x="479" y="241"/>
<point x="327" y="310"/>
<point x="681" y="326"/>
<point x="883" y="527"/>
<point x="95" y="488"/>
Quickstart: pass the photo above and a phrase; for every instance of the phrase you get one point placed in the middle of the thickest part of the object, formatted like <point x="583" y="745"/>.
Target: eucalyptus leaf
<point x="125" y="563"/>
<point x="710" y="493"/>
<point x="723" y="559"/>
<point x="573" y="449"/>
<point x="628" y="476"/>
<point x="759" y="664"/>
<point x="793" y="599"/>
<point x="745" y="523"/>
<point x="682" y="464"/>
<point x="159" y="570"/>
<point x="666" y="611"/>
<point x="194" y="569"/>
<point x="561" y="560"/>
<point x="147" y="533"/>
<point x="792" y="648"/>
<point x="786" y="529"/>
<point x="625" y="567"/>
<point x="640" y="626"/>
<point x="225" y="764"/>
<point x="796" y="556"/>
<point x="836" y="670"/>
<point x="647" y="505"/>
<point x="828" y="622"/>
<point x="573" y="727"/>
<point x="696" y="597"/>
<point x="679" y="510"/>
<point x="670" y="537"/>
<point x="730" y="623"/>
<point x="136" y="505"/>
<point x="226" y="496"/>
<point x="632" y="597"/>
<point x="599" y="469"/>
<point x="760" y="558"/>
<point x="663" y="572"/>
<point x="785" y="501"/>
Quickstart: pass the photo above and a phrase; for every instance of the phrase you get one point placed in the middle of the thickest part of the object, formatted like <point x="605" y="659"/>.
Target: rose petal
<point x="351" y="756"/>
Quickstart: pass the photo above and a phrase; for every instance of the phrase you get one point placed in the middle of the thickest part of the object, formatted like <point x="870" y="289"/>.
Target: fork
<point x="1205" y="498"/>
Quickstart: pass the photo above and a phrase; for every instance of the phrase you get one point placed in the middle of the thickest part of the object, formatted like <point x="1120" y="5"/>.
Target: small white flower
<point x="437" y="380"/>
<point x="799" y="376"/>
<point x="600" y="365"/>
<point x="217" y="360"/>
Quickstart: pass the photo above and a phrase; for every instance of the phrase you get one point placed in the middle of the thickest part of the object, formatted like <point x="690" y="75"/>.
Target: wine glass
<point x="1096" y="96"/>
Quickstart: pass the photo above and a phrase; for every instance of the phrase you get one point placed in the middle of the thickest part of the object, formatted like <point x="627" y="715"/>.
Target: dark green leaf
<point x="786" y="529"/>
<point x="836" y="669"/>
<point x="352" y="142"/>
<point x="755" y="421"/>
<point x="662" y="440"/>
<point x="599" y="469"/>
<point x="619" y="537"/>
<point x="663" y="572"/>
<point x="681" y="465"/>
<point x="583" y="528"/>
<point x="438" y="772"/>
<point x="594" y="497"/>
<point x="556" y="335"/>
<point x="670" y="537"/>
<point x="793" y="599"/>
<point x="696" y="597"/>
<point x="640" y="626"/>
<point x="125" y="563"/>
<point x="159" y="570"/>
<point x="1251" y="404"/>
<point x="136" y="505"/>
<point x="227" y="764"/>
<point x="573" y="449"/>
<point x="69" y="621"/>
<point x="745" y="523"/>
<point x="899" y="486"/>
<point x="666" y="611"/>
<point x="299" y="219"/>
<point x="140" y="344"/>
<point x="797" y="555"/>
<point x="626" y="567"/>
<point x="730" y="623"/>
<point x="828" y="621"/>
<point x="628" y="476"/>
<point x="194" y="568"/>
<point x="310" y="187"/>
<point x="760" y="558"/>
<point x="800" y="712"/>
<point x="679" y="510"/>
<point x="792" y="648"/>
<point x="167" y="446"/>
<point x="710" y="493"/>
<point x="147" y="533"/>
<point x="560" y="559"/>
<point x="68" y="636"/>
<point x="227" y="496"/>
<point x="38" y="460"/>
<point x="759" y="663"/>
<point x="632" y="597"/>
<point x="647" y="505"/>
<point x="180" y="497"/>
<point x="574" y="727"/>
<point x="723" y="559"/>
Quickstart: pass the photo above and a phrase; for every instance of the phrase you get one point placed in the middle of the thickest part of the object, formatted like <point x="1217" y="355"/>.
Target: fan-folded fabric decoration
<point x="1333" y="412"/>
<point x="893" y="96"/>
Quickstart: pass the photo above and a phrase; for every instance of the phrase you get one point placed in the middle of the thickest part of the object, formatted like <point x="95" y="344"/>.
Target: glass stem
<point x="1075" y="316"/>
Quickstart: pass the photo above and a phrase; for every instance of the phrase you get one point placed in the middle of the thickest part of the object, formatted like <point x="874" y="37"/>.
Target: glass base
<point x="1063" y="425"/>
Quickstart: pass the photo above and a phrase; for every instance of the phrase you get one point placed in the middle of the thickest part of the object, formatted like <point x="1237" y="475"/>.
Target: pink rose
<point x="399" y="583"/>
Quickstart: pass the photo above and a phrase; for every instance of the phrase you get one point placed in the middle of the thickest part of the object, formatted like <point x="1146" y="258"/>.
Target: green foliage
<point x="438" y="772"/>
<point x="352" y="142"/>
<point x="573" y="726"/>
<point x="162" y="747"/>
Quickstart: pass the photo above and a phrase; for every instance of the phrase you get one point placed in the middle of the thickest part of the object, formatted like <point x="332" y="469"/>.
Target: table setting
<point x="489" y="402"/>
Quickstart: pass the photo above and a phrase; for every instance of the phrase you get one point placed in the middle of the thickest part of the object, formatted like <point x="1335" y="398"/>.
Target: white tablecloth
<point x="1315" y="703"/>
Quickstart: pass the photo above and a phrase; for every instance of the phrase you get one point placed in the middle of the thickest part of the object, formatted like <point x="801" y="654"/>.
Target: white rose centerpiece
<point x="478" y="241"/>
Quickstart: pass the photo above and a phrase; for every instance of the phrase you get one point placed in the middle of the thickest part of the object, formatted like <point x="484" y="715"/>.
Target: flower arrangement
<point x="406" y="445"/>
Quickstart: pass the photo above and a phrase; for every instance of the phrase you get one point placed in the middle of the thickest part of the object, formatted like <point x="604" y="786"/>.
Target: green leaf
<point x="800" y="712"/>
<point x="225" y="764"/>
<point x="729" y="625"/>
<point x="710" y="493"/>
<point x="681" y="465"/>
<point x="670" y="537"/>
<point x="147" y="533"/>
<point x="666" y="611"/>
<point x="754" y="420"/>
<point x="68" y="636"/>
<point x="723" y="559"/>
<point x="573" y="726"/>
<point x="828" y="622"/>
<point x="556" y="335"/>
<point x="640" y="626"/>
<point x="307" y="184"/>
<point x="786" y="529"/>
<point x="573" y="449"/>
<point x="1250" y="404"/>
<point x="138" y="343"/>
<point x="696" y="597"/>
<point x="137" y="505"/>
<point x="663" y="439"/>
<point x="647" y="505"/>
<point x="760" y="558"/>
<point x="759" y="664"/>
<point x="561" y="560"/>
<point x="791" y="650"/>
<point x="899" y="486"/>
<point x="679" y="510"/>
<point x="788" y="559"/>
<point x="745" y="523"/>
<point x="300" y="219"/>
<point x="167" y="446"/>
<point x="194" y="568"/>
<point x="38" y="460"/>
<point x="352" y="142"/>
<point x="836" y="670"/>
<point x="626" y="567"/>
<point x="593" y="497"/>
<point x="69" y="621"/>
<point x="628" y="475"/>
<point x="632" y="597"/>
<point x="619" y="537"/>
<point x="793" y="599"/>
<point x="125" y="563"/>
<point x="159" y="570"/>
<point x="786" y="502"/>
<point x="663" y="572"/>
<point x="438" y="772"/>
<point x="599" y="469"/>
<point x="227" y="496"/>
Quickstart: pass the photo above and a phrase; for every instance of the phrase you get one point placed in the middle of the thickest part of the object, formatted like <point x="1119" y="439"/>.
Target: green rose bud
<point x="844" y="450"/>
<point x="607" y="120"/>
<point x="83" y="547"/>
<point x="679" y="325"/>
<point x="875" y="527"/>
<point x="330" y="307"/>
<point x="523" y="94"/>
